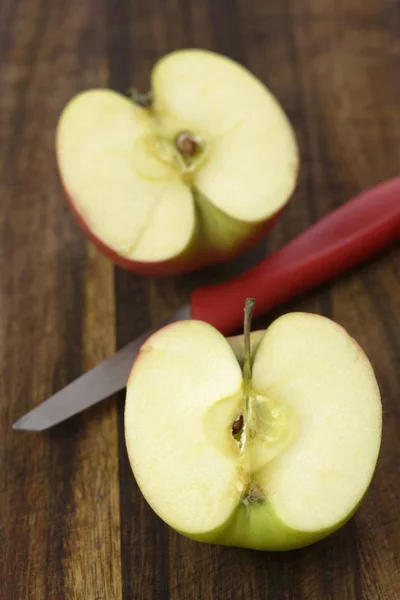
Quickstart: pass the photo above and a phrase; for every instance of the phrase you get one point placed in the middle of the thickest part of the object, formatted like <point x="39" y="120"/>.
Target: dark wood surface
<point x="73" y="524"/>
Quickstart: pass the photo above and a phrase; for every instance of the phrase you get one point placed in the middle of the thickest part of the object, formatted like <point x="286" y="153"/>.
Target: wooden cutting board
<point x="73" y="524"/>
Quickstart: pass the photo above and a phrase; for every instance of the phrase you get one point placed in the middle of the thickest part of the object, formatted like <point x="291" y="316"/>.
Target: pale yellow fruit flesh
<point x="186" y="479"/>
<point x="103" y="157"/>
<point x="253" y="157"/>
<point x="121" y="168"/>
<point x="183" y="395"/>
<point x="310" y="364"/>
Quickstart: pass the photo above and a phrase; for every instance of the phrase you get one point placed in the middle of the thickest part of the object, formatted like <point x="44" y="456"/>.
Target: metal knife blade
<point x="102" y="381"/>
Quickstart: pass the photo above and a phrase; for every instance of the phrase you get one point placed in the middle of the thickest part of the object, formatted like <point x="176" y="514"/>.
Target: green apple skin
<point x="256" y="526"/>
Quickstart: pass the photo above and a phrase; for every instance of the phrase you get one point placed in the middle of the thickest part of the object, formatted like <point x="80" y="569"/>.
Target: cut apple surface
<point x="192" y="179"/>
<point x="271" y="462"/>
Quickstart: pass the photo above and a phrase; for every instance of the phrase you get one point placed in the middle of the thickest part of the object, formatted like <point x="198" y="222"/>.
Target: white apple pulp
<point x="146" y="201"/>
<point x="309" y="444"/>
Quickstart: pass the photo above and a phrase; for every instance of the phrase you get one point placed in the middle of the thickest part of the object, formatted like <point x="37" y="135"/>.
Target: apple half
<point x="274" y="455"/>
<point x="195" y="176"/>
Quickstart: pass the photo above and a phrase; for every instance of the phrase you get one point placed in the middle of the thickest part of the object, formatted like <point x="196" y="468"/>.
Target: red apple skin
<point x="182" y="264"/>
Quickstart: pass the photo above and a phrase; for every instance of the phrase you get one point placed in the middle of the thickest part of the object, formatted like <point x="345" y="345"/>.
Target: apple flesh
<point x="276" y="461"/>
<point x="194" y="178"/>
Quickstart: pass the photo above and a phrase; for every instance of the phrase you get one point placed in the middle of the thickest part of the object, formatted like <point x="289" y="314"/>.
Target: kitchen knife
<point x="345" y="237"/>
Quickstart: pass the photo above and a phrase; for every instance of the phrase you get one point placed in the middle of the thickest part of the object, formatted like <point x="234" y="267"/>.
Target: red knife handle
<point x="345" y="237"/>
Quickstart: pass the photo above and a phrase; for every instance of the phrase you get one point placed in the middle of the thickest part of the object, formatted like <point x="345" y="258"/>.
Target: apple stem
<point x="250" y="418"/>
<point x="143" y="99"/>
<point x="248" y="315"/>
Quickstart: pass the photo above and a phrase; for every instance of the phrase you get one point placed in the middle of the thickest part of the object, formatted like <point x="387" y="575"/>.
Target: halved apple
<point x="194" y="178"/>
<point x="272" y="457"/>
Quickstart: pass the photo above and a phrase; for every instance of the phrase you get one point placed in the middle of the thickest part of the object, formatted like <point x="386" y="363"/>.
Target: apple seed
<point x="237" y="425"/>
<point x="186" y="143"/>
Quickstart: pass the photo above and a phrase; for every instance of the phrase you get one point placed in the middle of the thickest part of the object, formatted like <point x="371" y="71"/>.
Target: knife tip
<point x="25" y="424"/>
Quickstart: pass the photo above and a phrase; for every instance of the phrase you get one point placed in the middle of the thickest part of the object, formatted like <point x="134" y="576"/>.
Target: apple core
<point x="264" y="427"/>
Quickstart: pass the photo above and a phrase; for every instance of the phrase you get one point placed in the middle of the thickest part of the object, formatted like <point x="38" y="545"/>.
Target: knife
<point x="347" y="236"/>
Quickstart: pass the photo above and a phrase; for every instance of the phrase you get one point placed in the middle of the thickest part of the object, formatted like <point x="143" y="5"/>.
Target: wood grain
<point x="73" y="523"/>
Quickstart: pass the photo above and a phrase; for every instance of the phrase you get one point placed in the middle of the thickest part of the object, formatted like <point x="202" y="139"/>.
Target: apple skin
<point x="189" y="261"/>
<point x="258" y="528"/>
